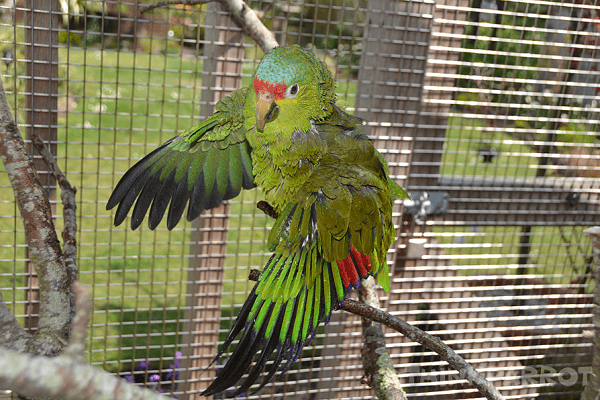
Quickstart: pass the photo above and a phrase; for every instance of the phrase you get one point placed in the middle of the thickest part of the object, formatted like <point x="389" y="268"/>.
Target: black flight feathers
<point x="249" y="344"/>
<point x="171" y="175"/>
<point x="254" y="353"/>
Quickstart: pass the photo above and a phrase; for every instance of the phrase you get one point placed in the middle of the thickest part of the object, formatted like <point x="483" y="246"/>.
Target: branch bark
<point x="165" y="3"/>
<point x="241" y="13"/>
<point x="434" y="344"/>
<point x="44" y="247"/>
<point x="380" y="373"/>
<point x="67" y="195"/>
<point x="13" y="335"/>
<point x="247" y="19"/>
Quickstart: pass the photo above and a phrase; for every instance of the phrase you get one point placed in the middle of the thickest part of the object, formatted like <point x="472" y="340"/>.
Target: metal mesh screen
<point x="489" y="107"/>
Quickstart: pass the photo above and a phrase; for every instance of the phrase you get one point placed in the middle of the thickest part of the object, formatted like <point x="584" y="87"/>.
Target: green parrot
<point x="328" y="185"/>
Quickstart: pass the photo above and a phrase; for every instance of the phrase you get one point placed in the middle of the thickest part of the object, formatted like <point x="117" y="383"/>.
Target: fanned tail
<point x="282" y="314"/>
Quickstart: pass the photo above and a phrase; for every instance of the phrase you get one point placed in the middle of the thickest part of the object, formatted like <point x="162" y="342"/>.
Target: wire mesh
<point x="492" y="102"/>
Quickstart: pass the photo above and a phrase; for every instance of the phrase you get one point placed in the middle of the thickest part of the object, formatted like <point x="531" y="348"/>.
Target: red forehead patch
<point x="277" y="90"/>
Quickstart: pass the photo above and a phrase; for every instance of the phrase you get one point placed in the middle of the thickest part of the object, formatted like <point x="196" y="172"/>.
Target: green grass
<point x="465" y="136"/>
<point x="129" y="270"/>
<point x="125" y="106"/>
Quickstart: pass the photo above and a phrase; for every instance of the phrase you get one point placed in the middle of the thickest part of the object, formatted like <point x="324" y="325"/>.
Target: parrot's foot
<point x="267" y="209"/>
<point x="253" y="275"/>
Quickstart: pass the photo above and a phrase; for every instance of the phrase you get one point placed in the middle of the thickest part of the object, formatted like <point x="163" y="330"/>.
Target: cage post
<point x="593" y="385"/>
<point x="221" y="75"/>
<point x="41" y="30"/>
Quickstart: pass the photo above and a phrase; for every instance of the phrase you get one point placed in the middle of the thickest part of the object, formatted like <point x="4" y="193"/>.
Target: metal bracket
<point x="572" y="199"/>
<point x="421" y="205"/>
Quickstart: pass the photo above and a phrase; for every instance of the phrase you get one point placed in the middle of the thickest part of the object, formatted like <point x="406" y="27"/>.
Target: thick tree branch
<point x="44" y="248"/>
<point x="434" y="344"/>
<point x="380" y="374"/>
<point x="243" y="15"/>
<point x="67" y="376"/>
<point x="64" y="378"/>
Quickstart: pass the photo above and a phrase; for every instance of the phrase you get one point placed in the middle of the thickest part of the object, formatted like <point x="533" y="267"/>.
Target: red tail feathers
<point x="354" y="267"/>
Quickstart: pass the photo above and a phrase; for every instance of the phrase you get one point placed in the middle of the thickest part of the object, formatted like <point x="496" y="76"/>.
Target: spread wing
<point x="205" y="165"/>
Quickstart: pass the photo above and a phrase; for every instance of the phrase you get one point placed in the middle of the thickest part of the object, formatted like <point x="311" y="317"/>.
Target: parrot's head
<point x="293" y="87"/>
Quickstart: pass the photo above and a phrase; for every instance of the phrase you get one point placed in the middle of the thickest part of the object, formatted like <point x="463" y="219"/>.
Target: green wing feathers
<point x="206" y="165"/>
<point x="323" y="245"/>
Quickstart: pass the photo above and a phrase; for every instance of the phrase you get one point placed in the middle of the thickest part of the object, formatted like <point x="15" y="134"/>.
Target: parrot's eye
<point x="292" y="91"/>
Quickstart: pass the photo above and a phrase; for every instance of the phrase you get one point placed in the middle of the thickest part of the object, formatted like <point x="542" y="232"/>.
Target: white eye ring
<point x="292" y="91"/>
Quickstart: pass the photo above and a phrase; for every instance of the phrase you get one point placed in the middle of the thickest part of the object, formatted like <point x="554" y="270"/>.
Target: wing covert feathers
<point x="204" y="166"/>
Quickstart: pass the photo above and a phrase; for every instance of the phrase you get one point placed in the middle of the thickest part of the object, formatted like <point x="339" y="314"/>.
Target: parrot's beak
<point x="266" y="110"/>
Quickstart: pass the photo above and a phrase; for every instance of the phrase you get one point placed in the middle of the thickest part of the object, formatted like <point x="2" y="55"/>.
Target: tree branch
<point x="380" y="373"/>
<point x="247" y="19"/>
<point x="83" y="307"/>
<point x="44" y="248"/>
<point x="434" y="344"/>
<point x="241" y="13"/>
<point x="267" y="209"/>
<point x="67" y="195"/>
<point x="67" y="376"/>
<point x="378" y="366"/>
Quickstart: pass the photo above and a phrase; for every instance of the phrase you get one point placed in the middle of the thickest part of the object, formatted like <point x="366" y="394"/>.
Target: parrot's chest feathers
<point x="283" y="166"/>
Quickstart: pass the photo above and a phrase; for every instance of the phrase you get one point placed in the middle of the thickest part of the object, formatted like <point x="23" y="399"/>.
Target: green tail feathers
<point x="295" y="294"/>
